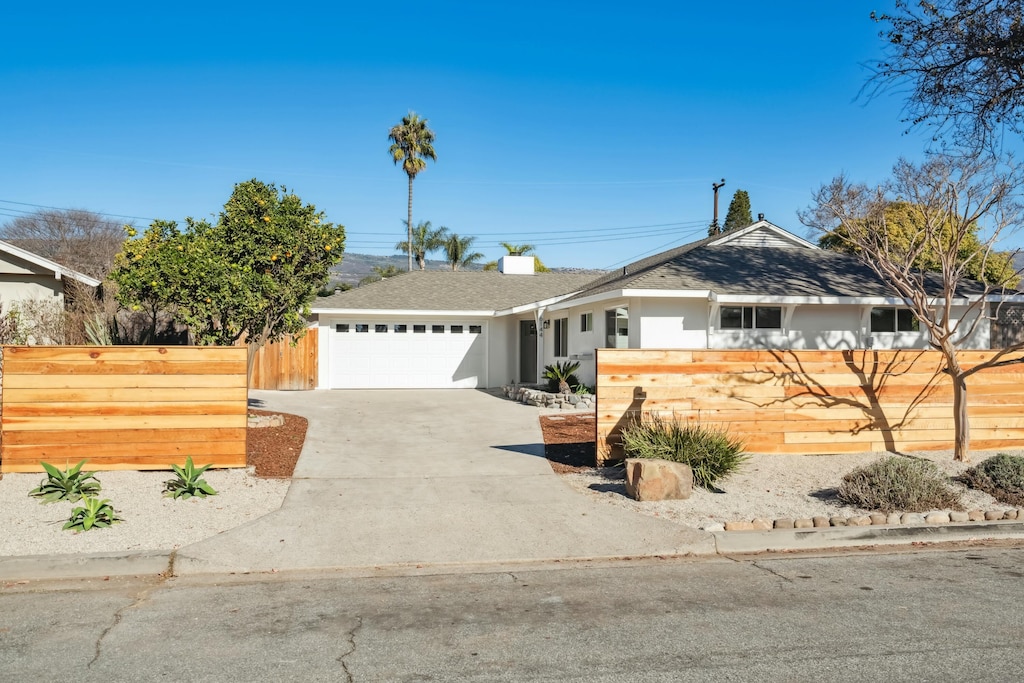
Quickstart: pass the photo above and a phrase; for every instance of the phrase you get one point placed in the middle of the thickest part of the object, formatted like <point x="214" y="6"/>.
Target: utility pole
<point x="715" y="229"/>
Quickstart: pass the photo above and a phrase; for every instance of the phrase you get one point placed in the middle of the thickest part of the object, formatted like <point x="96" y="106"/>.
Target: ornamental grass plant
<point x="709" y="451"/>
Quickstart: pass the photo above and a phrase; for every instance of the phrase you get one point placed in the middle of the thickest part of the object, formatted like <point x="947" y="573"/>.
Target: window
<point x="750" y="317"/>
<point x="616" y="328"/>
<point x="437" y="329"/>
<point x="401" y="329"/>
<point x="380" y="329"/>
<point x="362" y="328"/>
<point x="894" y="320"/>
<point x="586" y="322"/>
<point x="562" y="337"/>
<point x="456" y="329"/>
<point x="419" y="329"/>
<point x="341" y="327"/>
<point x="476" y="329"/>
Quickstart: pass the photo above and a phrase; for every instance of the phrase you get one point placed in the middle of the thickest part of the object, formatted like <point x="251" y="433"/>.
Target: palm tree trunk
<point x="409" y="224"/>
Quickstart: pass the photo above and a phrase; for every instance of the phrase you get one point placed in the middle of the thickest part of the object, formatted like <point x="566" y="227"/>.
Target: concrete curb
<point x="827" y="538"/>
<point x="155" y="562"/>
<point x="85" y="566"/>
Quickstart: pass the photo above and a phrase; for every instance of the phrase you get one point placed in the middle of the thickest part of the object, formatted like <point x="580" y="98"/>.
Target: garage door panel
<point x="387" y="359"/>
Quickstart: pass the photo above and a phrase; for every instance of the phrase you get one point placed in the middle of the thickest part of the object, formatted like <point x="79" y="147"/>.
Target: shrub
<point x="899" y="484"/>
<point x="1001" y="476"/>
<point x="188" y="482"/>
<point x="70" y="484"/>
<point x="561" y="376"/>
<point x="709" y="451"/>
<point x="92" y="513"/>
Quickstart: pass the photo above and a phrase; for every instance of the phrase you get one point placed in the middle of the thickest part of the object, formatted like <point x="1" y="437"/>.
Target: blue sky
<point x="571" y="126"/>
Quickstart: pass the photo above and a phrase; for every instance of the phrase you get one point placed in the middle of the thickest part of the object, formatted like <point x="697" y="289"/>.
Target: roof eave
<point x="58" y="270"/>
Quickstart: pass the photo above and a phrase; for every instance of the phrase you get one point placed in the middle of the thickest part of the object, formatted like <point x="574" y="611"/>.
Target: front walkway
<point x="427" y="477"/>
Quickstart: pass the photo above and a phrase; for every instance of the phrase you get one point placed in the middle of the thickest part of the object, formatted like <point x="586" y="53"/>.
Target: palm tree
<point x="424" y="240"/>
<point x="412" y="143"/>
<point x="521" y="250"/>
<point x="457" y="251"/>
<point x="518" y="249"/>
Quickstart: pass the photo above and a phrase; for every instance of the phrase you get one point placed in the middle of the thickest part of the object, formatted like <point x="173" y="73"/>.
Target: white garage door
<point x="399" y="354"/>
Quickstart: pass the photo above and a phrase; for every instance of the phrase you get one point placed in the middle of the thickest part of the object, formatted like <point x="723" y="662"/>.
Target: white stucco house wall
<point x="756" y="287"/>
<point x="28" y="276"/>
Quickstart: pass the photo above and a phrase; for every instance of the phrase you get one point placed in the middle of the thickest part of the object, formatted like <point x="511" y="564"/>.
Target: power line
<point x="58" y="208"/>
<point x="631" y="259"/>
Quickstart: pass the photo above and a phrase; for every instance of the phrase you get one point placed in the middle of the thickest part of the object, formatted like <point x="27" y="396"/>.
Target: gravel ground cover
<point x="151" y="521"/>
<point x="767" y="486"/>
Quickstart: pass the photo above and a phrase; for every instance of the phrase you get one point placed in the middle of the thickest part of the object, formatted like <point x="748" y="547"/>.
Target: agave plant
<point x="93" y="512"/>
<point x="70" y="484"/>
<point x="189" y="482"/>
<point x="562" y="375"/>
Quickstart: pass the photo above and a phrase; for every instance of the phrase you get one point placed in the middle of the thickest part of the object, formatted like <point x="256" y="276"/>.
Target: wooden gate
<point x="288" y="364"/>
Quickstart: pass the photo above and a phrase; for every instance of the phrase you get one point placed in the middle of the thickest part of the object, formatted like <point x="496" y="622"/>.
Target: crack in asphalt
<point x="141" y="597"/>
<point x="772" y="572"/>
<point x="352" y="648"/>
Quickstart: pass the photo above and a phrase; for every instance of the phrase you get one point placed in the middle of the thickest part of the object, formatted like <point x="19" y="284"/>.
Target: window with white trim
<point x="616" y="328"/>
<point x="586" y="322"/>
<point x="750" y="318"/>
<point x="561" y="337"/>
<point x="894" y="320"/>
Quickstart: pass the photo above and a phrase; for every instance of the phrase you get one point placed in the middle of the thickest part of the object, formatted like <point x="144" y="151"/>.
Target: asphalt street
<point x="921" y="616"/>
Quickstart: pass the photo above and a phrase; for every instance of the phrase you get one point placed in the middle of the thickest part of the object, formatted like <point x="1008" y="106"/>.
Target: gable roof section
<point x="445" y="290"/>
<point x="750" y="262"/>
<point x="638" y="271"/>
<point x="58" y="270"/>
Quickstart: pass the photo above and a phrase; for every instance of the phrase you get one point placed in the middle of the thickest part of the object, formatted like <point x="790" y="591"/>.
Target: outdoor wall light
<point x="547" y="324"/>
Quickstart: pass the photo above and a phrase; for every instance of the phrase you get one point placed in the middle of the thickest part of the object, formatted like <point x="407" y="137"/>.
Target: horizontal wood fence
<point x="287" y="366"/>
<point x="122" y="407"/>
<point x="810" y="402"/>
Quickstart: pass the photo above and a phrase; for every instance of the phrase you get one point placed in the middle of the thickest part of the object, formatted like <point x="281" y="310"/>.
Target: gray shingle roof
<point x="750" y="270"/>
<point x="442" y="290"/>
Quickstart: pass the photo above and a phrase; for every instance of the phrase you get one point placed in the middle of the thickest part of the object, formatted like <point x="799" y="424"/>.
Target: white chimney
<point x="516" y="265"/>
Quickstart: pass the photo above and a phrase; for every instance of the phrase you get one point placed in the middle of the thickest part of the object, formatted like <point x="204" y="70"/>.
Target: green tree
<point x="380" y="273"/>
<point x="962" y="62"/>
<point x="906" y="231"/>
<point x="250" y="276"/>
<point x="738" y="215"/>
<point x="457" y="251"/>
<point x="412" y="143"/>
<point x="942" y="202"/>
<point x="425" y="239"/>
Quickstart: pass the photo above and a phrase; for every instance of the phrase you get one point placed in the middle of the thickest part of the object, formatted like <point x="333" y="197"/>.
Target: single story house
<point x="755" y="287"/>
<point x="26" y="276"/>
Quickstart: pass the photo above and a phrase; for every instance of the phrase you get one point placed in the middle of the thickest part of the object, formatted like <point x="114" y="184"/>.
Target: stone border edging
<point x="874" y="519"/>
<point x="532" y="395"/>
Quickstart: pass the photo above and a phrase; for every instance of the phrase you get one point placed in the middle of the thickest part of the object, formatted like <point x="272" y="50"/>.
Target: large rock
<point x="658" y="479"/>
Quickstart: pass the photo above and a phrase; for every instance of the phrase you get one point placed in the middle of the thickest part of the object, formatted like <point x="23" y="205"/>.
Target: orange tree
<point x="250" y="276"/>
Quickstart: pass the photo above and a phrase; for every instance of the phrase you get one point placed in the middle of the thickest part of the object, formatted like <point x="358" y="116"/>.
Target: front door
<point x="527" y="351"/>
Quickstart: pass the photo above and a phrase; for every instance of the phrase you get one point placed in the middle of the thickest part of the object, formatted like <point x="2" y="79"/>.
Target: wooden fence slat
<point x="124" y="395"/>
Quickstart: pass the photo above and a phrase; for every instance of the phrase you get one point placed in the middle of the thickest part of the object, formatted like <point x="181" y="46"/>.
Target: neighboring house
<point x="25" y="275"/>
<point x="756" y="287"/>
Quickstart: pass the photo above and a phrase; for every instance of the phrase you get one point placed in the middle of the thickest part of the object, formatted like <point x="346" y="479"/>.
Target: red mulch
<point x="273" y="451"/>
<point x="569" y="442"/>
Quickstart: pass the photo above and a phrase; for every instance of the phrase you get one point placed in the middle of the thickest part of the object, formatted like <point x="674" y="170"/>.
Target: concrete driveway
<point x="427" y="477"/>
